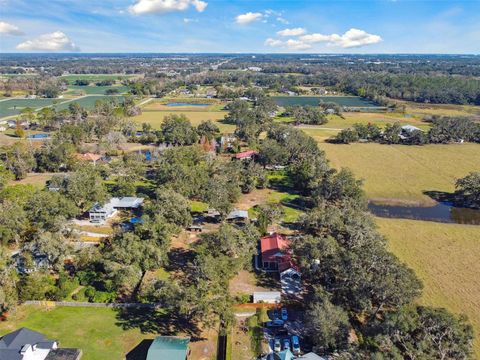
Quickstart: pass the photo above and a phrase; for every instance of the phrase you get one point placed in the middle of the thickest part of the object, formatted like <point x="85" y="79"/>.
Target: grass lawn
<point x="94" y="330"/>
<point x="93" y="89"/>
<point x="446" y="258"/>
<point x="403" y="173"/>
<point x="95" y="77"/>
<point x="155" y="118"/>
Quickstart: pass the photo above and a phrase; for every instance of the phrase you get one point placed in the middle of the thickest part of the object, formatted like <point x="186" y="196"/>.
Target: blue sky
<point x="311" y="26"/>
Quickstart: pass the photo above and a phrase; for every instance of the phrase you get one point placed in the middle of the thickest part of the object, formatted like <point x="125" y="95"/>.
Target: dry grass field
<point x="404" y="173"/>
<point x="446" y="258"/>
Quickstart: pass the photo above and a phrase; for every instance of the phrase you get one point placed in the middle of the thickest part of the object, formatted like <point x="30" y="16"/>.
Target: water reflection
<point x="442" y="212"/>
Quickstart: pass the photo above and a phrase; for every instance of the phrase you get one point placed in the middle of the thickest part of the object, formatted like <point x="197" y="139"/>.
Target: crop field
<point x="445" y="257"/>
<point x="401" y="173"/>
<point x="94" y="90"/>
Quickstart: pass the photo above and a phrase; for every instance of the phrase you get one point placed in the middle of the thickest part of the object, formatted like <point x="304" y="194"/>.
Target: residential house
<point x="276" y="256"/>
<point x="99" y="213"/>
<point x="169" y="348"/>
<point x="26" y="344"/>
<point x="90" y="157"/>
<point x="246" y="155"/>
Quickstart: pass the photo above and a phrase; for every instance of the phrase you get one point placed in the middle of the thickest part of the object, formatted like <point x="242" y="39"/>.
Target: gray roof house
<point x="237" y="215"/>
<point x="26" y="344"/>
<point x="99" y="213"/>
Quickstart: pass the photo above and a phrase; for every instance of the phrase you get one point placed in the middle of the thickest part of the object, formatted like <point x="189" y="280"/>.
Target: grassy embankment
<point x="445" y="257"/>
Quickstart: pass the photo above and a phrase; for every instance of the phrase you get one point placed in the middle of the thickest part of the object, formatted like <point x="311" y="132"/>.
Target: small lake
<point x="442" y="212"/>
<point x="187" y="104"/>
<point x="349" y="101"/>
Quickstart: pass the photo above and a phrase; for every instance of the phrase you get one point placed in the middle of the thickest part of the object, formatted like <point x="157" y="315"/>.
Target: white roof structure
<point x="269" y="297"/>
<point x="237" y="214"/>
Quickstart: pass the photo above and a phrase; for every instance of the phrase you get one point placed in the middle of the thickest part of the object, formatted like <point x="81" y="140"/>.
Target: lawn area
<point x="420" y="110"/>
<point x="94" y="330"/>
<point x="402" y="173"/>
<point x="378" y="118"/>
<point x="36" y="179"/>
<point x="445" y="257"/>
<point x="155" y="118"/>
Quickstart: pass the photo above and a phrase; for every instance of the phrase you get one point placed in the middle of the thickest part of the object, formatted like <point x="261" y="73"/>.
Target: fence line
<point x="89" y="304"/>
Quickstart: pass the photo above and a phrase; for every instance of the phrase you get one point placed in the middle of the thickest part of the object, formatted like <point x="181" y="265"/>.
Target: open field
<point x="95" y="77"/>
<point x="155" y="118"/>
<point x="12" y="107"/>
<point x="420" y="110"/>
<point x="445" y="257"/>
<point x="104" y="333"/>
<point x="91" y="90"/>
<point x="404" y="173"/>
<point x="353" y="101"/>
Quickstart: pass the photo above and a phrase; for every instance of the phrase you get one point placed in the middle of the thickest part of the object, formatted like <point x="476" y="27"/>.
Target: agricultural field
<point x="400" y="173"/>
<point x="445" y="257"/>
<point x="88" y="102"/>
<point x="154" y="113"/>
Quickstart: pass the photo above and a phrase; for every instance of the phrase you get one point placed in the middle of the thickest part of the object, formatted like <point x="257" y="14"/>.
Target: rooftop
<point x="168" y="348"/>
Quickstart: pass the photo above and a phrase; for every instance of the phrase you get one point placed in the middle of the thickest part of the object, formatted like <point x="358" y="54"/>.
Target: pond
<point x="177" y="104"/>
<point x="349" y="101"/>
<point x="442" y="212"/>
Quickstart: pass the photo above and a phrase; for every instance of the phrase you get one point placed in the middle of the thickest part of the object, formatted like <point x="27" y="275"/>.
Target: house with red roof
<point x="246" y="155"/>
<point x="276" y="256"/>
<point x="90" y="157"/>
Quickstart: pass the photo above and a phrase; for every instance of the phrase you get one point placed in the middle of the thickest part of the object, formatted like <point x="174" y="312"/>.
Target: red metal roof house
<point x="246" y="155"/>
<point x="274" y="249"/>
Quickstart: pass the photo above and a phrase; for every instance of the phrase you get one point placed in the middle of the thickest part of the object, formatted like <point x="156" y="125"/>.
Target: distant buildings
<point x="26" y="344"/>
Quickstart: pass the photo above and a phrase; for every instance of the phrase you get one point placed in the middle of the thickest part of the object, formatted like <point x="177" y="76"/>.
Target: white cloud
<point x="9" y="29"/>
<point x="292" y="32"/>
<point x="297" y="45"/>
<point x="248" y="18"/>
<point x="189" y="20"/>
<point x="165" y="6"/>
<point x="56" y="41"/>
<point x="351" y="38"/>
<point x="282" y="20"/>
<point x="273" y="42"/>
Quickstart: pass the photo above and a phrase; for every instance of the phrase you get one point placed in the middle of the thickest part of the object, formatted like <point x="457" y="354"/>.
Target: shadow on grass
<point x="157" y="321"/>
<point x="140" y="351"/>
<point x="442" y="196"/>
<point x="267" y="280"/>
